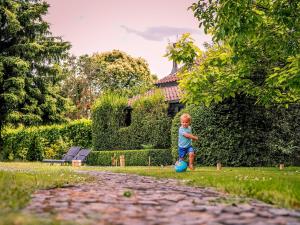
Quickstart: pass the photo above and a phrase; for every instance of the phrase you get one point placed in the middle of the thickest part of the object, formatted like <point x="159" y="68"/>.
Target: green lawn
<point x="19" y="180"/>
<point x="271" y="185"/>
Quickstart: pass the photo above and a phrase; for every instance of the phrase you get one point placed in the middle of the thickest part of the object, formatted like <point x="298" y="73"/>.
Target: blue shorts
<point x="183" y="151"/>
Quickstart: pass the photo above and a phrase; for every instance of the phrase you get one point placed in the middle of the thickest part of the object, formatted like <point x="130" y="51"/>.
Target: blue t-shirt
<point x="184" y="142"/>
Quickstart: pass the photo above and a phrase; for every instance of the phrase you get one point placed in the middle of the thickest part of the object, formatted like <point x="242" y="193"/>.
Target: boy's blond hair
<point x="187" y="116"/>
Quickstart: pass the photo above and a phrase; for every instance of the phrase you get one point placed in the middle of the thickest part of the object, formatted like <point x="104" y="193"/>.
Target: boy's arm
<point x="193" y="137"/>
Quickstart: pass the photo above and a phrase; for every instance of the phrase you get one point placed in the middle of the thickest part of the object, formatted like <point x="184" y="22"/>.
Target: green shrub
<point x="132" y="157"/>
<point x="79" y="132"/>
<point x="108" y="116"/>
<point x="284" y="137"/>
<point x="242" y="134"/>
<point x="150" y="124"/>
<point x="37" y="143"/>
<point x="127" y="139"/>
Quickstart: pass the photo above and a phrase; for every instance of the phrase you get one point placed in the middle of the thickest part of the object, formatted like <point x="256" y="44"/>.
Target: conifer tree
<point x="30" y="66"/>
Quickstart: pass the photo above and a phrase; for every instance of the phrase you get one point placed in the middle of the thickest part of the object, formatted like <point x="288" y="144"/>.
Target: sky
<point x="141" y="28"/>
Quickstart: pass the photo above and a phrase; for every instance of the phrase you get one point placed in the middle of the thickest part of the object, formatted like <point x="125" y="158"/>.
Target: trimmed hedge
<point x="150" y="124"/>
<point x="108" y="116"/>
<point x="239" y="133"/>
<point x="132" y="157"/>
<point x="217" y="141"/>
<point x="37" y="143"/>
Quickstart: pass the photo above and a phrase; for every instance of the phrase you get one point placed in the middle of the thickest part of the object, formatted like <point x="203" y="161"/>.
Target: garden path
<point x="115" y="198"/>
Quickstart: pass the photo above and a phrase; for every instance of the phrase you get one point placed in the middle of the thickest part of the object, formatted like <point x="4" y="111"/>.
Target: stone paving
<point x="115" y="198"/>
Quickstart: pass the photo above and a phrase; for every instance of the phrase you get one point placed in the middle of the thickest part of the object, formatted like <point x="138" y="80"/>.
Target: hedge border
<point x="132" y="157"/>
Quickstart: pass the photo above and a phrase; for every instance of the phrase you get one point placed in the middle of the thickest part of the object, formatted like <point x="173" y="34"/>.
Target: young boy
<point x="185" y="138"/>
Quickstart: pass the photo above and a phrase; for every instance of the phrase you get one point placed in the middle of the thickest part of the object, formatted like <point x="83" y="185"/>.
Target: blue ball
<point x="181" y="166"/>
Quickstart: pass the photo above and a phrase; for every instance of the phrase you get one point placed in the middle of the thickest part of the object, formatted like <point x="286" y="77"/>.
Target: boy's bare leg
<point x="191" y="160"/>
<point x="180" y="159"/>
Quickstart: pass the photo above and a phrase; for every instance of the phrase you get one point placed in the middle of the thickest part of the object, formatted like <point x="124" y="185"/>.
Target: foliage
<point x="271" y="185"/>
<point x="30" y="70"/>
<point x="256" y="52"/>
<point x="150" y="124"/>
<point x="132" y="157"/>
<point x="216" y="78"/>
<point x="108" y="116"/>
<point x="87" y="77"/>
<point x="25" y="178"/>
<point x="117" y="71"/>
<point x="284" y="137"/>
<point x="183" y="51"/>
<point x="238" y="134"/>
<point x="37" y="143"/>
<point x="252" y="62"/>
<point x="79" y="86"/>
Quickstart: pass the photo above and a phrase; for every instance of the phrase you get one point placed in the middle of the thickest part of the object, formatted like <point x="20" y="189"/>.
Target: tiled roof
<point x="171" y="93"/>
<point x="170" y="78"/>
<point x="169" y="89"/>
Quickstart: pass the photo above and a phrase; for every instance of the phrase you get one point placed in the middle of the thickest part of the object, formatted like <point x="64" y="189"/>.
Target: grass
<point x="271" y="185"/>
<point x="19" y="180"/>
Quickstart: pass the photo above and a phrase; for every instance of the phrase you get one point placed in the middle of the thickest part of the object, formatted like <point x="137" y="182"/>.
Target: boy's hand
<point x="193" y="137"/>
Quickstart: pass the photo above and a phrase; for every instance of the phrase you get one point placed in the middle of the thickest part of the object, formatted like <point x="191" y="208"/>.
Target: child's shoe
<point x="191" y="167"/>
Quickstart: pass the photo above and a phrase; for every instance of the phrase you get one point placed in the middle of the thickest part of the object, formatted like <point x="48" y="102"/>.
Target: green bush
<point x="150" y="124"/>
<point x="132" y="157"/>
<point x="284" y="137"/>
<point x="217" y="139"/>
<point x="108" y="116"/>
<point x="242" y="134"/>
<point x="37" y="143"/>
<point x="127" y="139"/>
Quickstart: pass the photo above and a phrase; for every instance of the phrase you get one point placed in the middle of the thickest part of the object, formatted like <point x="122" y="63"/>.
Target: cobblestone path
<point x="115" y="198"/>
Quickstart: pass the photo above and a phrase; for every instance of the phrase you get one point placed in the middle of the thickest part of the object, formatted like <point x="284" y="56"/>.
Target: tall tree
<point x="117" y="71"/>
<point x="30" y="65"/>
<point x="184" y="51"/>
<point x="256" y="52"/>
<point x="86" y="77"/>
<point x="78" y="85"/>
